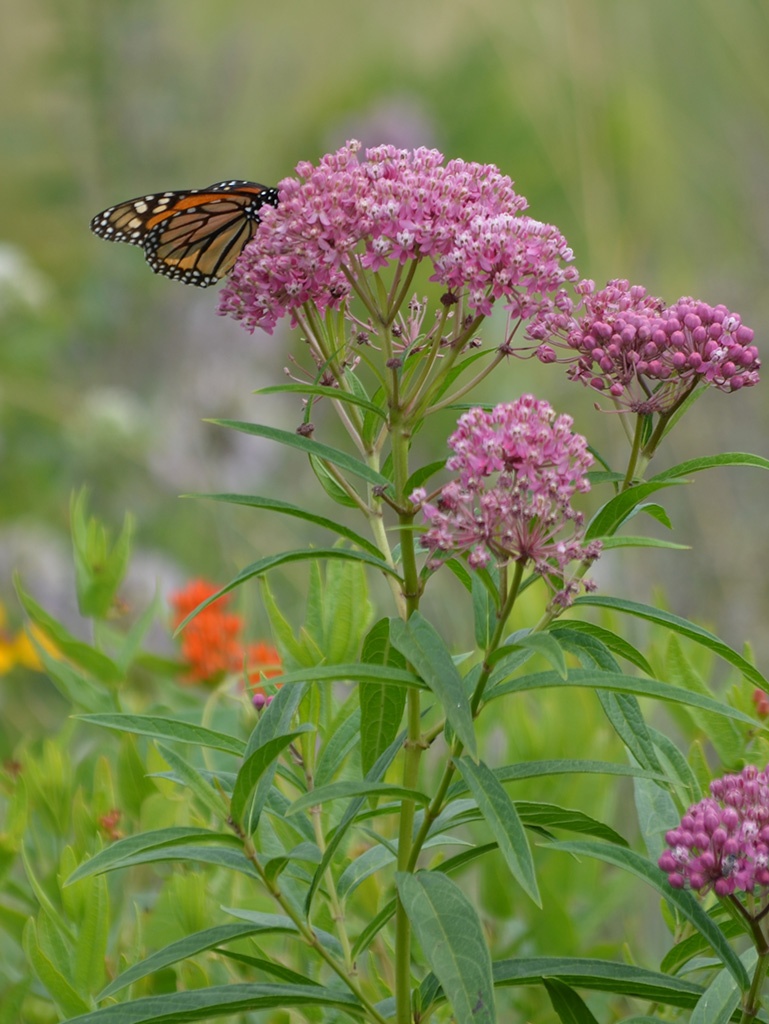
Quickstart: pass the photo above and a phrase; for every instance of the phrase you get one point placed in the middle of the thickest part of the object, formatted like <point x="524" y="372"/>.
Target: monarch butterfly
<point x="192" y="236"/>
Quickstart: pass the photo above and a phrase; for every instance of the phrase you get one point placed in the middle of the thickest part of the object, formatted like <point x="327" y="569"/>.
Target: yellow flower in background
<point x="18" y="649"/>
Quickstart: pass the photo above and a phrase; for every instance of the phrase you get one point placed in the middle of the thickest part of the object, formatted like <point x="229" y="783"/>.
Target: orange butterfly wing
<point x="191" y="236"/>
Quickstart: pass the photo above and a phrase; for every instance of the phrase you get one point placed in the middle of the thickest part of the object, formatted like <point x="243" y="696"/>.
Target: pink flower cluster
<point x="722" y="842"/>
<point x="346" y="216"/>
<point x="518" y="468"/>
<point x="644" y="354"/>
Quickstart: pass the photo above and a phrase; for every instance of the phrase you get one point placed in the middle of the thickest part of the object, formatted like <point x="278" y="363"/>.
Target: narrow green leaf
<point x="535" y="813"/>
<point x="619" y="683"/>
<point x="570" y="1007"/>
<point x="352" y="788"/>
<point x="93" y="931"/>
<point x="80" y="653"/>
<point x="273" y="561"/>
<point x="448" y="929"/>
<point x="281" y="923"/>
<point x="537" y="769"/>
<point x="726" y="737"/>
<point x="502" y="818"/>
<point x="133" y="639"/>
<point x="682" y="626"/>
<point x="375" y="773"/>
<point x="275" y="721"/>
<point x="547" y="647"/>
<point x="44" y="899"/>
<point x="599" y="975"/>
<point x="642" y="542"/>
<point x="722" y="997"/>
<point x="358" y="672"/>
<point x="285" y="508"/>
<point x="99" y="569"/>
<point x="683" y="900"/>
<point x="332" y="487"/>
<point x="306" y="444"/>
<point x="333" y="394"/>
<point x="343" y="739"/>
<point x="422" y="475"/>
<point x="381" y="704"/>
<point x="421" y="645"/>
<point x="711" y="462"/>
<point x="220" y="1001"/>
<point x="346" y="611"/>
<point x="59" y="988"/>
<point x="254" y="767"/>
<point x="619" y="509"/>
<point x="74" y="687"/>
<point x="191" y="778"/>
<point x="112" y="856"/>
<point x="613" y="641"/>
<point x="168" y="729"/>
<point x="189" y="946"/>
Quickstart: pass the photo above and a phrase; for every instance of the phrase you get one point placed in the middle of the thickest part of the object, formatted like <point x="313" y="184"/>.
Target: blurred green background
<point x="640" y="127"/>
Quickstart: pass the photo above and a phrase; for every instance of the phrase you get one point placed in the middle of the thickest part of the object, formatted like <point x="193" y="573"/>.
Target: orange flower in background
<point x="211" y="642"/>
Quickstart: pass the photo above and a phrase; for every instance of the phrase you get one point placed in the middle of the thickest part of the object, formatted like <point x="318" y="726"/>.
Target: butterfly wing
<point x="192" y="236"/>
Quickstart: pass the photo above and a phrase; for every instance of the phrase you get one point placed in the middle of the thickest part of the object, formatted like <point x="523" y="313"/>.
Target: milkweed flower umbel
<point x="347" y="217"/>
<point x="722" y="842"/>
<point x="517" y="468"/>
<point x="642" y="353"/>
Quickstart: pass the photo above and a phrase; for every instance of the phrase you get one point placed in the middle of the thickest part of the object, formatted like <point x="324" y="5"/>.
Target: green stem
<point x="634" y="452"/>
<point x="394" y="306"/>
<point x="436" y="804"/>
<point x="413" y="748"/>
<point x="466" y="387"/>
<point x="308" y="934"/>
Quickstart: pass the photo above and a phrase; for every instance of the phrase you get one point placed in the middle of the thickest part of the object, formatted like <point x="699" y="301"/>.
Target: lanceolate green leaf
<point x="537" y="769"/>
<point x="59" y="987"/>
<point x="285" y="508"/>
<point x="620" y="508"/>
<point x="302" y="555"/>
<point x="113" y="856"/>
<point x="421" y="645"/>
<point x="80" y="653"/>
<point x="683" y="900"/>
<point x="596" y="975"/>
<point x="351" y="788"/>
<point x="613" y="641"/>
<point x="220" y="1001"/>
<point x="570" y="1007"/>
<point x="355" y="672"/>
<point x="452" y="940"/>
<point x="255" y="765"/>
<point x="682" y="626"/>
<point x="381" y="704"/>
<point x="375" y="773"/>
<point x="711" y="462"/>
<point x="198" y="942"/>
<point x="168" y="729"/>
<point x="622" y="684"/>
<point x="642" y="542"/>
<point x="321" y="451"/>
<point x="191" y="778"/>
<point x="319" y="391"/>
<point x="502" y="818"/>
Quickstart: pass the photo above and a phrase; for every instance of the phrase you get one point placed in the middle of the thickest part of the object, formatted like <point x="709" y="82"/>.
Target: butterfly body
<point x="193" y="236"/>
